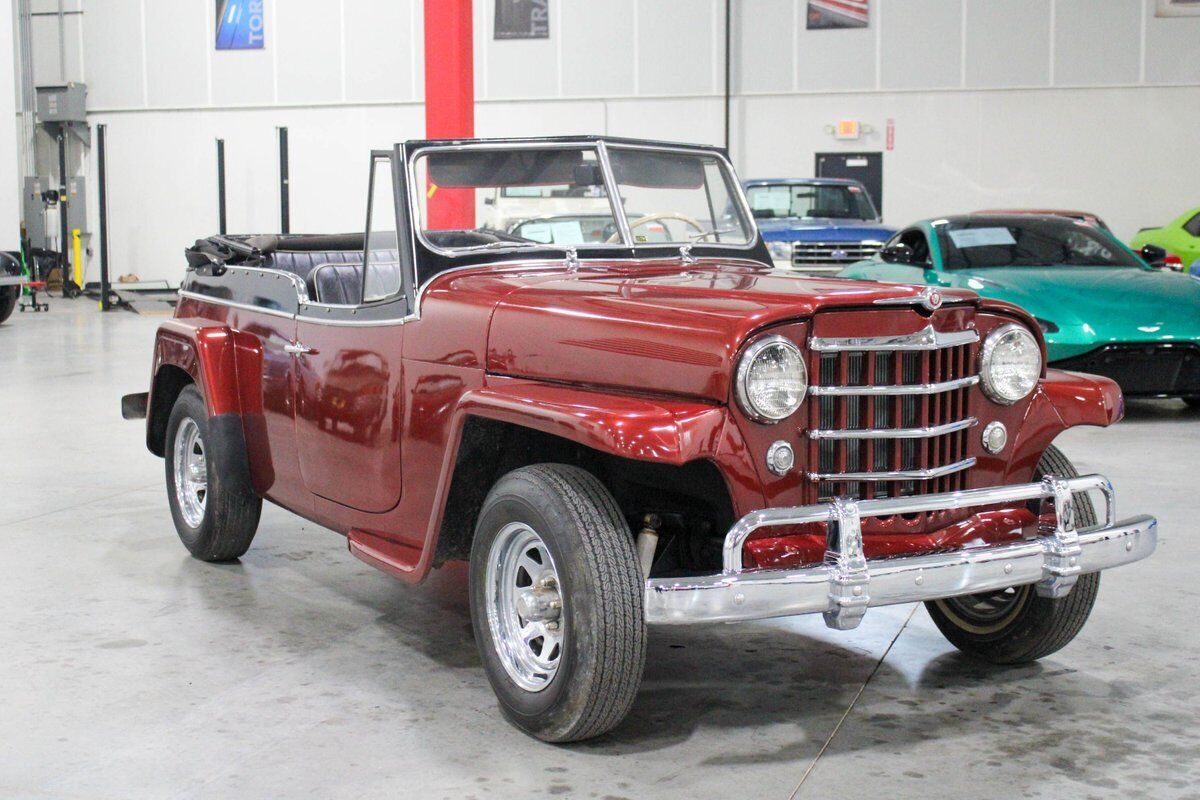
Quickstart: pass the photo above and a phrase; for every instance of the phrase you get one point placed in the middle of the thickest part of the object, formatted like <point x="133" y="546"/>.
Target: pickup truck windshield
<point x="798" y="200"/>
<point x="487" y="198"/>
<point x="1028" y="242"/>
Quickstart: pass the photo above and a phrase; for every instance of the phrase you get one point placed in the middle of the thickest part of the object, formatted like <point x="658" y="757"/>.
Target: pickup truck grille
<point x="806" y="255"/>
<point x="890" y="416"/>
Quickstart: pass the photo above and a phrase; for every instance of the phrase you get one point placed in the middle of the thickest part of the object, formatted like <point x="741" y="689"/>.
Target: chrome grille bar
<point x="891" y="391"/>
<point x="894" y="433"/>
<point x="925" y="339"/>
<point x="896" y="474"/>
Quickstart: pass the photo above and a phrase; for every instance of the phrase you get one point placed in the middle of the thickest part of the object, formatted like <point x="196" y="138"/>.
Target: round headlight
<point x="771" y="379"/>
<point x="1010" y="364"/>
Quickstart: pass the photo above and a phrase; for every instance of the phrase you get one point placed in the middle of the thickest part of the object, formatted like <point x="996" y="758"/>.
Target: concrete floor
<point x="130" y="670"/>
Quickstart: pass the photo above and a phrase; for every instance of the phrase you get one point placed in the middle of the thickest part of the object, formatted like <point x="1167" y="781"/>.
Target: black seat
<point x="340" y="282"/>
<point x="301" y="262"/>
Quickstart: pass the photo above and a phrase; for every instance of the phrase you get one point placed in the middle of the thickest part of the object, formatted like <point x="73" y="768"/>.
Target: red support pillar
<point x="449" y="100"/>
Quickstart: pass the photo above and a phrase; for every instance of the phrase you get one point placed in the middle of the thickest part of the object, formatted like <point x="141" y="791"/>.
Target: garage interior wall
<point x="1049" y="103"/>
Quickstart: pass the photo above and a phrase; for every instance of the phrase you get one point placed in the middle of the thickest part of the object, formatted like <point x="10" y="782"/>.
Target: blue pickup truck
<point x="816" y="225"/>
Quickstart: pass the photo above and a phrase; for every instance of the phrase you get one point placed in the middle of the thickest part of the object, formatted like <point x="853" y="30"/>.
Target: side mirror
<point x="898" y="254"/>
<point x="1152" y="253"/>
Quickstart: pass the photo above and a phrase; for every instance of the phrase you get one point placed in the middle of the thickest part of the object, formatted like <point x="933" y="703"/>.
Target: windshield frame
<point x="602" y="146"/>
<point x="816" y="183"/>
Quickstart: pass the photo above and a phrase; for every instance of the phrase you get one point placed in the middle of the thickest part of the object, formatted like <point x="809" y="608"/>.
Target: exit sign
<point x="847" y="129"/>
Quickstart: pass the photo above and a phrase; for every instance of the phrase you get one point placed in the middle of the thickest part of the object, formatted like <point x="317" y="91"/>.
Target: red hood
<point x="674" y="330"/>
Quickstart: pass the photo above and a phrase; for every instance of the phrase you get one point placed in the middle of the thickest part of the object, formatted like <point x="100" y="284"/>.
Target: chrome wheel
<point x="987" y="612"/>
<point x="191" y="472"/>
<point x="524" y="607"/>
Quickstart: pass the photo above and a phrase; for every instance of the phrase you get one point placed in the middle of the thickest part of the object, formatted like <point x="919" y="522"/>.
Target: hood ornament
<point x="685" y="254"/>
<point x="929" y="298"/>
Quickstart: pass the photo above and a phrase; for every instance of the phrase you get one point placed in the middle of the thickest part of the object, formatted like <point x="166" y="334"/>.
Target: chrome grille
<point x="809" y="254"/>
<point x="889" y="415"/>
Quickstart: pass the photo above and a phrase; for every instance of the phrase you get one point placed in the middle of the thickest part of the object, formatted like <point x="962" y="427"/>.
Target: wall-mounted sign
<point x="522" y="19"/>
<point x="825" y="14"/>
<point x="239" y="24"/>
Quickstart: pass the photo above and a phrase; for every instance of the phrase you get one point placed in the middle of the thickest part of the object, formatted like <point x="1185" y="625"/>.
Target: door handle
<point x="298" y="349"/>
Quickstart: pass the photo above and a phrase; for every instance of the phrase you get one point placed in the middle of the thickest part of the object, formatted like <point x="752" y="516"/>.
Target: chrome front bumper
<point x="847" y="583"/>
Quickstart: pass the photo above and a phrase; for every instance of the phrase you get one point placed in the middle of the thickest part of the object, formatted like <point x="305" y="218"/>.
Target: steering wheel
<point x="616" y="237"/>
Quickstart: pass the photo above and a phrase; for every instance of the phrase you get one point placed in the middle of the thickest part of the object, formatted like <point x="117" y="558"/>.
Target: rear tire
<point x="556" y="603"/>
<point x="1015" y="625"/>
<point x="215" y="508"/>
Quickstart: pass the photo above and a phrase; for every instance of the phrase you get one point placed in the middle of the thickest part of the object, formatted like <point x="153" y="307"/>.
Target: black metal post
<point x="285" y="211"/>
<point x="728" y="39"/>
<point x="221" y="186"/>
<point x="102" y="175"/>
<point x="69" y="289"/>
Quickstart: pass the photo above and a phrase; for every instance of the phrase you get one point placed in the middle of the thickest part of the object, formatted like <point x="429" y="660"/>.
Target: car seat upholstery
<point x="340" y="282"/>
<point x="302" y="262"/>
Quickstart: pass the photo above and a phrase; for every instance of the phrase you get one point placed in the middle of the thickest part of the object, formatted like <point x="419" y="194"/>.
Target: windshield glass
<point x="781" y="200"/>
<point x="677" y="198"/>
<point x="1030" y="242"/>
<point x="488" y="198"/>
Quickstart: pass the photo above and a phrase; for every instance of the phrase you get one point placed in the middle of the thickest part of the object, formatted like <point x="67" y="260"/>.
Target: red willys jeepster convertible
<point x="570" y="362"/>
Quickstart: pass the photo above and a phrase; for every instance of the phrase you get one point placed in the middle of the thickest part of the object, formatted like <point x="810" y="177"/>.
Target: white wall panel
<point x="47" y="69"/>
<point x="309" y="38"/>
<point x="1172" y="48"/>
<point x="834" y="60"/>
<point x="921" y="43"/>
<point x="10" y="169"/>
<point x="177" y="43"/>
<point x="586" y="72"/>
<point x="1008" y="43"/>
<point x="675" y="45"/>
<point x="1097" y="43"/>
<point x="519" y="68"/>
<point x="379" y="50"/>
<point x="763" y="48"/>
<point x="961" y="151"/>
<point x="245" y="77"/>
<point x="691" y="119"/>
<point x="112" y="40"/>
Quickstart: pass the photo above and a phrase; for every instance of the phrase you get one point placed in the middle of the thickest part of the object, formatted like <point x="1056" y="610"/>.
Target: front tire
<point x="1015" y="625"/>
<point x="213" y="505"/>
<point x="556" y="603"/>
<point x="9" y="297"/>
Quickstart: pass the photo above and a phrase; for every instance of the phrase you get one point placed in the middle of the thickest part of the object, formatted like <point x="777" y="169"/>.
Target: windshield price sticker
<point x="981" y="237"/>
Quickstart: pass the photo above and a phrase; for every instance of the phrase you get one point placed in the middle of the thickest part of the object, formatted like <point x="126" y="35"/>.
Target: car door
<point x="349" y="381"/>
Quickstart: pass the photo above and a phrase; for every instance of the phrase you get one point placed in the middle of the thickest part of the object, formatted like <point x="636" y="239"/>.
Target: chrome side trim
<point x="223" y="302"/>
<point x="902" y="389"/>
<point x="847" y="584"/>
<point x="924" y="339"/>
<point x="893" y="433"/>
<point x="897" y="474"/>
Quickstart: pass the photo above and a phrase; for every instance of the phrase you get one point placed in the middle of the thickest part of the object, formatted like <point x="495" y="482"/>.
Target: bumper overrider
<point x="847" y="583"/>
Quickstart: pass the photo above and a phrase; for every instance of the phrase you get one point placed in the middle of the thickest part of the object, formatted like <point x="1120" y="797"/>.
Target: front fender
<point x="1063" y="400"/>
<point x="643" y="429"/>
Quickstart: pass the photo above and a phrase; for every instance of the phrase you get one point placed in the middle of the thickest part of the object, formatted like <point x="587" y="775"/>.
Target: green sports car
<point x="1179" y="237"/>
<point x="1102" y="308"/>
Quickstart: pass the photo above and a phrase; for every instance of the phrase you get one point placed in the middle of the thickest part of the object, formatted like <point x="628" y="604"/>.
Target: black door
<point x="866" y="168"/>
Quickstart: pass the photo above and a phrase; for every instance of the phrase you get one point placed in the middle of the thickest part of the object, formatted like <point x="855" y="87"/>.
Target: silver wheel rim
<point x="524" y="607"/>
<point x="191" y="473"/>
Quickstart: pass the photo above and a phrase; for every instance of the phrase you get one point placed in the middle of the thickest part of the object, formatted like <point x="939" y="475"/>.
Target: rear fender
<point x="209" y="355"/>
